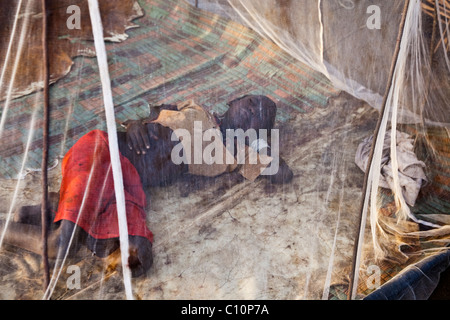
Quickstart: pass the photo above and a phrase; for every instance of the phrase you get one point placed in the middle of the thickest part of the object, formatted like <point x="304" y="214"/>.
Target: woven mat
<point x="177" y="53"/>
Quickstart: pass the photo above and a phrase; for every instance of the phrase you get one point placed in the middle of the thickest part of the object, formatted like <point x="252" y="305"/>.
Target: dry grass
<point x="429" y="8"/>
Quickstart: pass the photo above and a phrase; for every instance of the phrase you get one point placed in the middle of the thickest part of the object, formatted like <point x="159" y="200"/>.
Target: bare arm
<point x="140" y="132"/>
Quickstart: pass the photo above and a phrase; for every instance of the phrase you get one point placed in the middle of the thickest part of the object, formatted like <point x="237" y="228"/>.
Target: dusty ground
<point x="226" y="238"/>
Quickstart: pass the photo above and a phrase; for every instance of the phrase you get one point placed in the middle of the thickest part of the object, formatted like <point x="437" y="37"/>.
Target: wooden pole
<point x="370" y="160"/>
<point x="44" y="179"/>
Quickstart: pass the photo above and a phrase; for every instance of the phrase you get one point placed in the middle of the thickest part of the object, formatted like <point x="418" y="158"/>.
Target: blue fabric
<point x="417" y="282"/>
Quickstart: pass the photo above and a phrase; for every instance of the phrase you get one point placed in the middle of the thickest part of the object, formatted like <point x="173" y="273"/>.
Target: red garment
<point x="87" y="166"/>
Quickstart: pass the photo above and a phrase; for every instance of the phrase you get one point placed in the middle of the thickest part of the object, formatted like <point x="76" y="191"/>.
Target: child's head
<point x="249" y="112"/>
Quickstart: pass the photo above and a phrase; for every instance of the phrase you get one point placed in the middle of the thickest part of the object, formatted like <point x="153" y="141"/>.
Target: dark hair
<point x="270" y="108"/>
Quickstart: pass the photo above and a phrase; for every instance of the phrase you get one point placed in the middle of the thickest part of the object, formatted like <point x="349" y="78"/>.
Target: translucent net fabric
<point x="341" y="40"/>
<point x="339" y="71"/>
<point x="346" y="39"/>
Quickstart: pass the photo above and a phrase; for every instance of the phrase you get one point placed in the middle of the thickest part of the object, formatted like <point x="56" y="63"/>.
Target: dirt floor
<point x="226" y="238"/>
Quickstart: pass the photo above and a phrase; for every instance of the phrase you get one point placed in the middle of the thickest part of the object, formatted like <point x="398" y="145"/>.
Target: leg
<point x="140" y="250"/>
<point x="102" y="247"/>
<point x="69" y="239"/>
<point x="141" y="257"/>
<point x="32" y="214"/>
<point x="29" y="237"/>
<point x="140" y="260"/>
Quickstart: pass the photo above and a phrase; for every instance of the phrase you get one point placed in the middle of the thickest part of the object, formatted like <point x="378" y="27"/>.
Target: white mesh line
<point x="97" y="30"/>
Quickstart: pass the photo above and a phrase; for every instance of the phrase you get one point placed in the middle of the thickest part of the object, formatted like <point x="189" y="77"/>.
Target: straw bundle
<point x="443" y="13"/>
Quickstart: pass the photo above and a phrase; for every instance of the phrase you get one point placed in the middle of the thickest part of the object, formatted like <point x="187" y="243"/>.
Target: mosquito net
<point x="360" y="200"/>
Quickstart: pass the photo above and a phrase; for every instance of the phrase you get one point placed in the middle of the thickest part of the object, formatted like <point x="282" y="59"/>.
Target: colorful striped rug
<point x="177" y="53"/>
